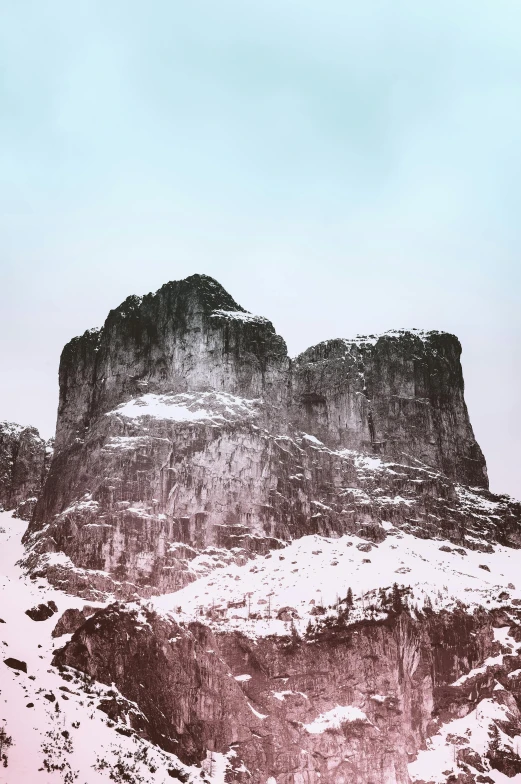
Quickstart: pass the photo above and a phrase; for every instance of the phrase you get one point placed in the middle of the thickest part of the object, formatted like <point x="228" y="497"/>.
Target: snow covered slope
<point x="58" y="732"/>
<point x="329" y="666"/>
<point x="64" y="736"/>
<point x="316" y="571"/>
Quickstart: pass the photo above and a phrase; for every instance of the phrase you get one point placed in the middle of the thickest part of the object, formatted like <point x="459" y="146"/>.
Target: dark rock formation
<point x="189" y="336"/>
<point x="187" y="441"/>
<point x="16" y="664"/>
<point x="400" y="394"/>
<point x="183" y="425"/>
<point x="72" y="619"/>
<point x="24" y="462"/>
<point x="42" y="611"/>
<point x="280" y="703"/>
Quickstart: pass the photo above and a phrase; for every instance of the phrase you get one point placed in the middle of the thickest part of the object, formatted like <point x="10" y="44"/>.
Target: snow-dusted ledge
<point x="188" y="407"/>
<point x="335" y="718"/>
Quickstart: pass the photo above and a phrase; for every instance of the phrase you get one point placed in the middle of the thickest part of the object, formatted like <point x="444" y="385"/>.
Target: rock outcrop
<point x="24" y="462"/>
<point x="400" y="394"/>
<point x="351" y="706"/>
<point x="183" y="425"/>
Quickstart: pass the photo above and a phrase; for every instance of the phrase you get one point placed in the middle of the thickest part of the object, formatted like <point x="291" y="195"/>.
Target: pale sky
<point x="339" y="167"/>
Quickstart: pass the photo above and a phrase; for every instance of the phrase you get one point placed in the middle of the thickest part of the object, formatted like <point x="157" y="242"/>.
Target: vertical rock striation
<point x="353" y="707"/>
<point x="24" y="461"/>
<point x="400" y="394"/>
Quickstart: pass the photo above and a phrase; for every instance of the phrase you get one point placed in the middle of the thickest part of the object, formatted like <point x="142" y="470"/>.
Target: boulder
<point x="16" y="664"/>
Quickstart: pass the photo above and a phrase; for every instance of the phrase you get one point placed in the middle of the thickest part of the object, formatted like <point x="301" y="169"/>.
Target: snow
<point x="301" y="575"/>
<point x="259" y="715"/>
<point x="215" y="766"/>
<point x="432" y="763"/>
<point x="243" y="678"/>
<point x="335" y="718"/>
<point x="93" y="751"/>
<point x="372" y="340"/>
<point x="281" y="695"/>
<point x="240" y="315"/>
<point x="11" y="428"/>
<point x="85" y="504"/>
<point x="313" y="439"/>
<point x="126" y="443"/>
<point x="503" y="636"/>
<point x="184" y="407"/>
<point x="469" y="498"/>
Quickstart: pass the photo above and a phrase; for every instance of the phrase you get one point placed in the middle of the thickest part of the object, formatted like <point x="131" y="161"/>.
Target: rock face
<point x="350" y="707"/>
<point x="183" y="425"/>
<point x="24" y="462"/>
<point x="400" y="395"/>
<point x="193" y="456"/>
<point x="189" y="336"/>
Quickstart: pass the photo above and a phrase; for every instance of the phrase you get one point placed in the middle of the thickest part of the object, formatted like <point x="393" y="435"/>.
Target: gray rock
<point x="179" y="675"/>
<point x="24" y="462"/>
<point x="72" y="619"/>
<point x="183" y="425"/>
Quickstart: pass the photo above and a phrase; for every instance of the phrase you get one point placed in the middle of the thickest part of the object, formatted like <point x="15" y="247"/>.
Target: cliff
<point x="400" y="394"/>
<point x="24" y="462"/>
<point x="354" y="705"/>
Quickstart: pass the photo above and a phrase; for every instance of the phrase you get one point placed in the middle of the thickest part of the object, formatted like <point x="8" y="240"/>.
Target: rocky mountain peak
<point x="190" y="336"/>
<point x="183" y="425"/>
<point x="208" y="291"/>
<point x="178" y="300"/>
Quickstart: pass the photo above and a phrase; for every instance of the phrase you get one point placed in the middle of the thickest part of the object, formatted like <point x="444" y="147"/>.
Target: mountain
<point x="294" y="568"/>
<point x="183" y="425"/>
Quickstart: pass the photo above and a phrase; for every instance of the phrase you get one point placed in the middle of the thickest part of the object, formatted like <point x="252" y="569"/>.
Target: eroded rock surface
<point x="184" y="426"/>
<point x="323" y="588"/>
<point x="24" y="462"/>
<point x="352" y="704"/>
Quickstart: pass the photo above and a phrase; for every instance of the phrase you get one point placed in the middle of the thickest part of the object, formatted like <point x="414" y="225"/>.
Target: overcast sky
<point x="340" y="167"/>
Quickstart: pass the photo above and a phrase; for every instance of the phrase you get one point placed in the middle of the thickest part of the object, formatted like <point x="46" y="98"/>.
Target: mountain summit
<point x="184" y="421"/>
